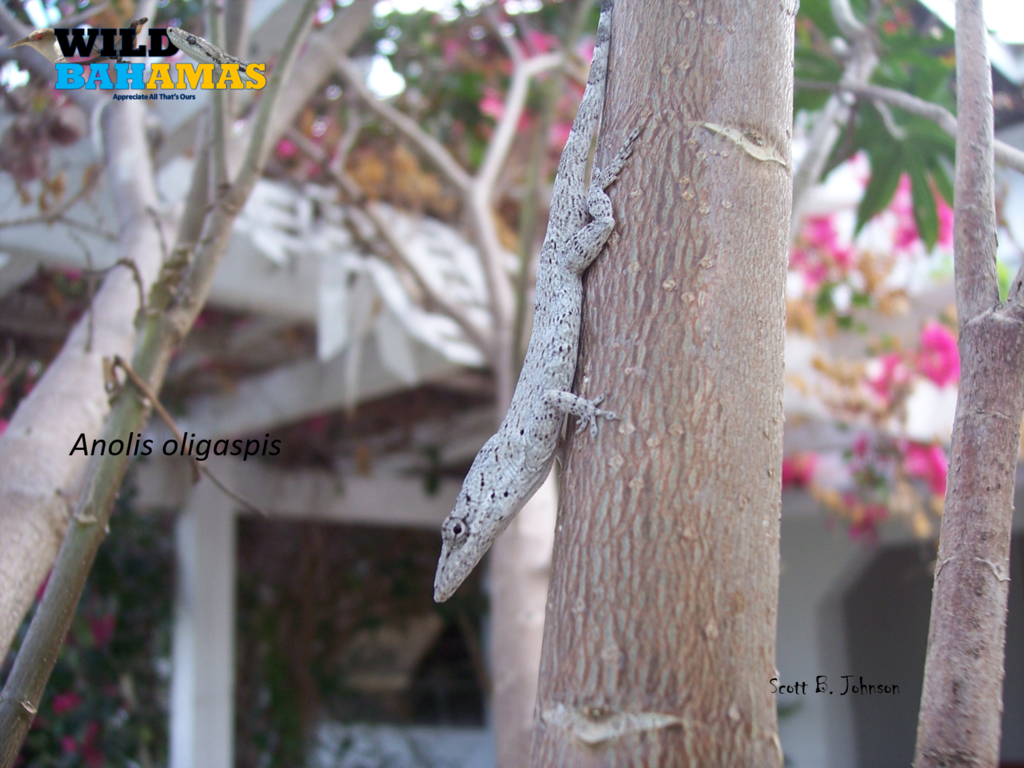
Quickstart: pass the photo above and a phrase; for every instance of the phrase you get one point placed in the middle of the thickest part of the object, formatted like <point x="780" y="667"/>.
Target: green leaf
<point x="886" y="169"/>
<point x="818" y="11"/>
<point x="940" y="175"/>
<point x="823" y="302"/>
<point x="926" y="214"/>
<point x="860" y="299"/>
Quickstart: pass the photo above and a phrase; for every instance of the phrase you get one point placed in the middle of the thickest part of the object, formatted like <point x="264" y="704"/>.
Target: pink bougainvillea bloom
<point x="905" y="234"/>
<point x="865" y="524"/>
<point x="286" y="149"/>
<point x="860" y="446"/>
<point x="939" y="358"/>
<point x="65" y="702"/>
<point x="102" y="628"/>
<point x="894" y="374"/>
<point x="491" y="104"/>
<point x="586" y="50"/>
<point x="798" y="469"/>
<point x="928" y="462"/>
<point x="450" y="51"/>
<point x="541" y="42"/>
<point x="945" y="223"/>
<point x="3" y="426"/>
<point x="91" y="756"/>
<point x="69" y="745"/>
<point x="558" y="134"/>
<point x="812" y="268"/>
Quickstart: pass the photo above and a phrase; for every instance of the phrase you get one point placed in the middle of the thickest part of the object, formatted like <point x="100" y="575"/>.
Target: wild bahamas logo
<point x="232" y="73"/>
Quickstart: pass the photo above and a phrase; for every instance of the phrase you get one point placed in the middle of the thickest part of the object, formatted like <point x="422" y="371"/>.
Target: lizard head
<point x="482" y="511"/>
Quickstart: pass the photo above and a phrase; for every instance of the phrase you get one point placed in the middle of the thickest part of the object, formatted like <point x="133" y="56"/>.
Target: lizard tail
<point x="599" y="64"/>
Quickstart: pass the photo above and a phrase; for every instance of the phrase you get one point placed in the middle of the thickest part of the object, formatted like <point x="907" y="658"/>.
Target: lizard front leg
<point x="582" y="408"/>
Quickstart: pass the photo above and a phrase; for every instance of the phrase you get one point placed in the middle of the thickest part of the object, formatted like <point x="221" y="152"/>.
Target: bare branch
<point x="197" y="466"/>
<point x="515" y="100"/>
<point x="219" y="107"/>
<point x="506" y="40"/>
<point x="826" y="131"/>
<point x="1006" y="155"/>
<point x="426" y="143"/>
<point x="261" y="139"/>
<point x="848" y="24"/>
<point x="236" y="27"/>
<point x="89" y="181"/>
<point x="83" y="16"/>
<point x="356" y="195"/>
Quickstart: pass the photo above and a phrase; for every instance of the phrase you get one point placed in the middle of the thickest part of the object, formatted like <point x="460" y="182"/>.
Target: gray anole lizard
<point x="516" y="460"/>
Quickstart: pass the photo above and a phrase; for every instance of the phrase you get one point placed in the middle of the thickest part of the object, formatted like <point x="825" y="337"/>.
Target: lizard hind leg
<point x="582" y="408"/>
<point x="604" y="177"/>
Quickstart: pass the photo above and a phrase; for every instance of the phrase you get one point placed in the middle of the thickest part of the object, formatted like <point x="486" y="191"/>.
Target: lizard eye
<point x="191" y="39"/>
<point x="456" y="531"/>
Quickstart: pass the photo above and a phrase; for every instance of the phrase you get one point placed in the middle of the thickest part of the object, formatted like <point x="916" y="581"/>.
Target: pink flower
<point x="866" y="518"/>
<point x="894" y="374"/>
<point x="928" y="462"/>
<point x="102" y="628"/>
<point x="3" y="426"/>
<point x="65" y="702"/>
<point x="939" y="358"/>
<point x="905" y="234"/>
<point x="558" y="134"/>
<point x="450" y="51"/>
<point x="586" y="49"/>
<point x="945" y="223"/>
<point x="860" y="446"/>
<point x="541" y="42"/>
<point x="69" y="745"/>
<point x="286" y="149"/>
<point x="491" y="104"/>
<point x="91" y="756"/>
<point x="798" y="469"/>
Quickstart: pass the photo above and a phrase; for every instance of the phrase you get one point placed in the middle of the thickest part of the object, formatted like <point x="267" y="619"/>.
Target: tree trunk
<point x="961" y="702"/>
<point x="660" y="635"/>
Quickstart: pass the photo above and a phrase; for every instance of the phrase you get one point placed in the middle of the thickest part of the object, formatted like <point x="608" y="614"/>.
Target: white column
<point x="203" y="675"/>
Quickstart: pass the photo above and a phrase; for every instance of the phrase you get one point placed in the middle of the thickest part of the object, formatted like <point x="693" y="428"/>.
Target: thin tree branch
<point x="358" y="198"/>
<point x="960" y="717"/>
<point x="1005" y="155"/>
<point x="197" y="466"/>
<point x="849" y="25"/>
<point x="977" y="285"/>
<point x="90" y="178"/>
<point x="859" y="69"/>
<point x="219" y="107"/>
<point x="236" y="27"/>
<point x="83" y="16"/>
<point x="506" y="40"/>
<point x="426" y="143"/>
<point x="261" y="139"/>
<point x="515" y="100"/>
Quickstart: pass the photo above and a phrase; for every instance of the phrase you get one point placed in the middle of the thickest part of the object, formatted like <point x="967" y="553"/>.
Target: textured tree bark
<point x="961" y="703"/>
<point x="660" y="632"/>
